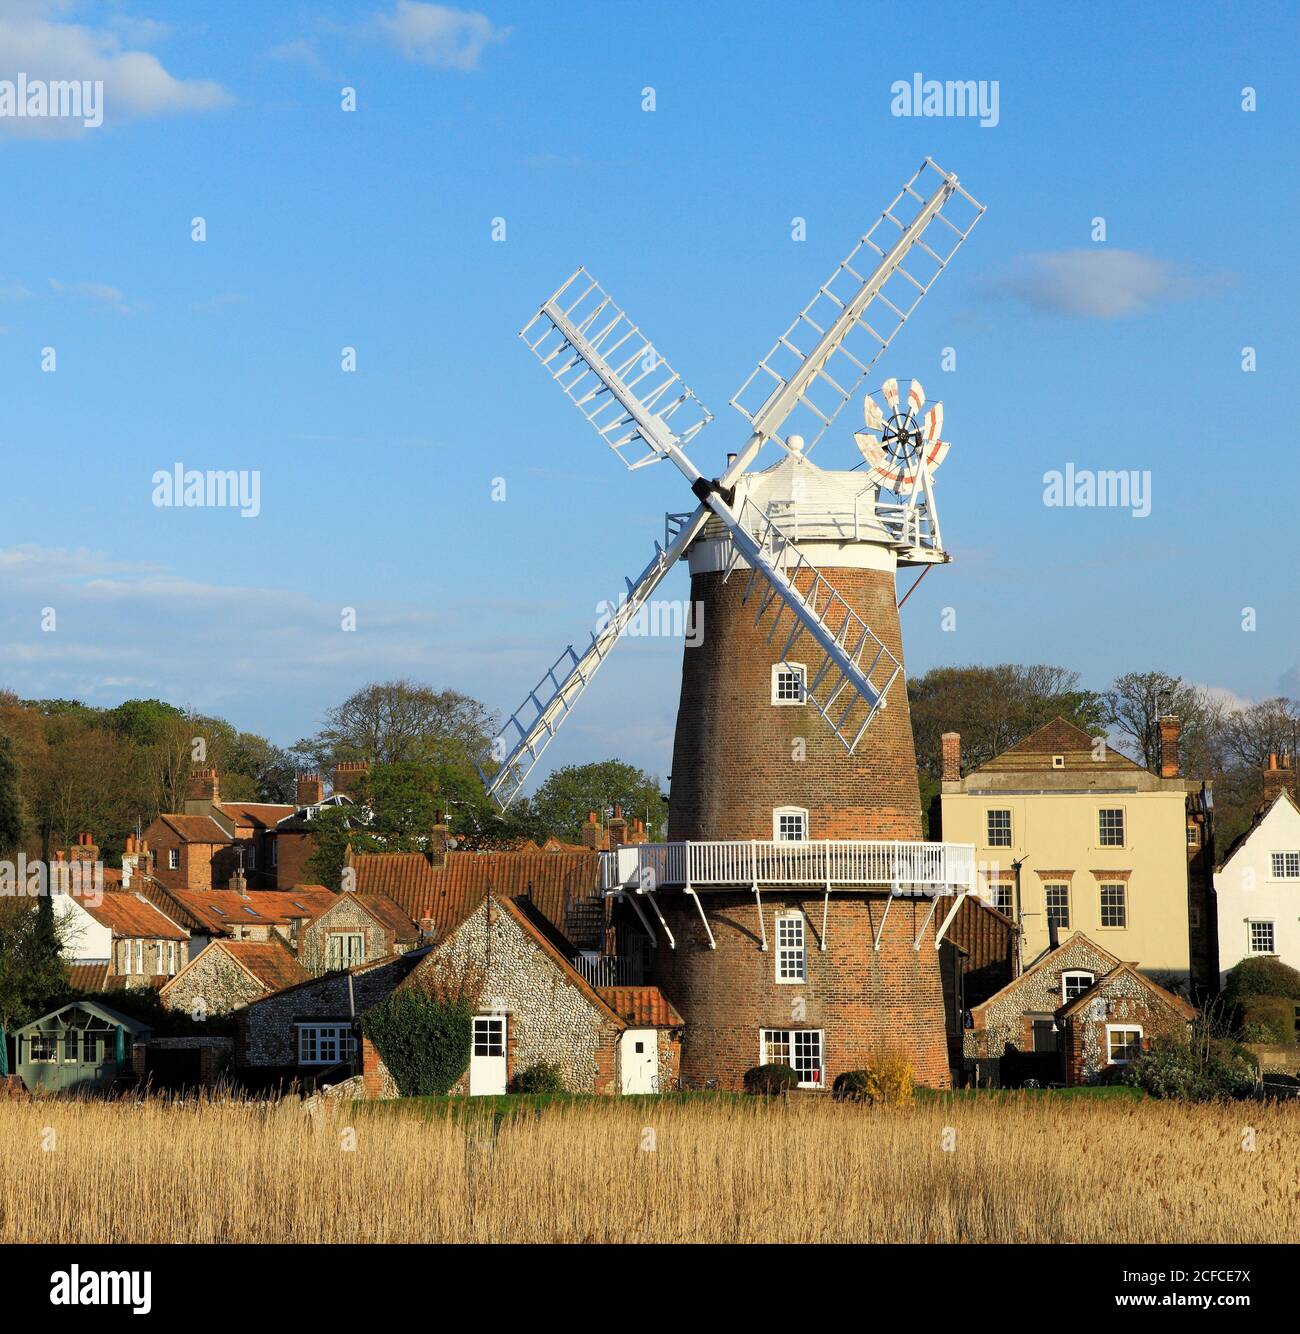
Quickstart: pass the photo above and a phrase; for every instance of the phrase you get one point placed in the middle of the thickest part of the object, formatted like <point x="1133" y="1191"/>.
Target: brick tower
<point x="752" y="761"/>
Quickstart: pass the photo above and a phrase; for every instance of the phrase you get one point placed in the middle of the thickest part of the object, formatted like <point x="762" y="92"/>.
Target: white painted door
<point x="639" y="1060"/>
<point x="487" y="1061"/>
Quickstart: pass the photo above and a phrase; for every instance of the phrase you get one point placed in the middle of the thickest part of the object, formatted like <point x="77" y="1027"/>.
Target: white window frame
<point x="1102" y="887"/>
<point x="787" y="812"/>
<point x="487" y="1031"/>
<point x="313" y="1036"/>
<point x="782" y="669"/>
<point x="274" y="843"/>
<point x="1123" y="827"/>
<point x="339" y="937"/>
<point x="1122" y="1028"/>
<point x="1285" y="858"/>
<point x="792" y="951"/>
<point x="52" y="1058"/>
<point x="997" y="888"/>
<point x="1066" y="997"/>
<point x="139" y="956"/>
<point x="1193" y="836"/>
<point x="173" y="859"/>
<point x="1069" y="906"/>
<point x="1058" y="761"/>
<point x="1251" y="924"/>
<point x="788" y="1045"/>
<point x="989" y="813"/>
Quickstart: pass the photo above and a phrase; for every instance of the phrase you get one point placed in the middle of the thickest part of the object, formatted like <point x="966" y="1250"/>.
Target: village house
<point x="1070" y="1018"/>
<point x="118" y="938"/>
<point x="1257" y="887"/>
<point x="1070" y="835"/>
<point x="229" y="974"/>
<point x="531" y="1006"/>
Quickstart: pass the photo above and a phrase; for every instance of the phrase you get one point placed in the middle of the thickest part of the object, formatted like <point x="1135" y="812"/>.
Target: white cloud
<point x="438" y="35"/>
<point x="1097" y="284"/>
<point x="34" y="42"/>
<point x="103" y="293"/>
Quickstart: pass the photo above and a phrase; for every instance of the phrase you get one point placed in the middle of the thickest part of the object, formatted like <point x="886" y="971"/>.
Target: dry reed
<point x="1034" y="1170"/>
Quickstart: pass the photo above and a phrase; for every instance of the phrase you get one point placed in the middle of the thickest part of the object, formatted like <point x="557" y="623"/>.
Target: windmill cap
<point x="795" y="443"/>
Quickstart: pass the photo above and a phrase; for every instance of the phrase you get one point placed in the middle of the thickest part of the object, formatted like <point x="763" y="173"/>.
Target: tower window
<point x="789" y="824"/>
<point x="790" y="952"/>
<point x="789" y="683"/>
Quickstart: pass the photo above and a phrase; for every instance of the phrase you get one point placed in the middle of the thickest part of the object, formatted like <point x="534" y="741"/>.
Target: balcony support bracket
<point x="699" y="907"/>
<point x="929" y="917"/>
<point x="947" y="921"/>
<point x="884" y="917"/>
<point x="762" y="925"/>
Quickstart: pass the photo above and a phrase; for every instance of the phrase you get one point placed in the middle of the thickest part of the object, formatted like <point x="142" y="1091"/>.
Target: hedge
<point x="424" y="1041"/>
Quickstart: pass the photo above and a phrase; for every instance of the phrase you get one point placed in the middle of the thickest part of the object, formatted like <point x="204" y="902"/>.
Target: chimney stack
<point x="348" y="776"/>
<point x="1277" y="778"/>
<point x="311" y="790"/>
<point x="1170" y="730"/>
<point x="617" y="828"/>
<point x="84" y="850"/>
<point x="202" y="788"/>
<point x="951" y="742"/>
<point x="594" y="835"/>
<point x="239" y="883"/>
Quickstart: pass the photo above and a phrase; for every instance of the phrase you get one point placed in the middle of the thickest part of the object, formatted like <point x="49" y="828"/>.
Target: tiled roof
<point x="642" y="1007"/>
<point x="450" y="891"/>
<point x="404" y="930"/>
<point x="262" y="814"/>
<point x="218" y="909"/>
<point x="162" y="898"/>
<point x="196" y="828"/>
<point x="93" y="977"/>
<point x="126" y="915"/>
<point x="270" y="961"/>
<point x="1058" y="737"/>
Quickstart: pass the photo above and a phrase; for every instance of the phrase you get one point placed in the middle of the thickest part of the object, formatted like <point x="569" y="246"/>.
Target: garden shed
<point x="79" y="1047"/>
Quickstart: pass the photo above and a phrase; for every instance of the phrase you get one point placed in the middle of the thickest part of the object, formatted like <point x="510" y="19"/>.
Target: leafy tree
<point x="993" y="708"/>
<point x="32" y="972"/>
<point x="561" y="804"/>
<point x="11" y="803"/>
<point x="143" y="721"/>
<point x="390" y="722"/>
<point x="332" y="830"/>
<point x="1252" y="734"/>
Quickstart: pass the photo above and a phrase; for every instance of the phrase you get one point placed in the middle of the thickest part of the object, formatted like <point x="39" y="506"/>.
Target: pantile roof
<point x="196" y="828"/>
<point x="126" y="915"/>
<point x="642" y="1007"/>
<point x="219" y="909"/>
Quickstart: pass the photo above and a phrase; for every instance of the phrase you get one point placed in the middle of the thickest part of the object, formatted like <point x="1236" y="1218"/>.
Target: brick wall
<point x="861" y="999"/>
<point x="733" y="754"/>
<point x="292" y="853"/>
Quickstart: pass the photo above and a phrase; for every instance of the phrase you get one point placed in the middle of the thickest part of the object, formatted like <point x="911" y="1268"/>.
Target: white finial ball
<point x="795" y="443"/>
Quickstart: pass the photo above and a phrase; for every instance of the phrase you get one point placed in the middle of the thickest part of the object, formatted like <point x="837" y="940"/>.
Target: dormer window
<point x="789" y="683"/>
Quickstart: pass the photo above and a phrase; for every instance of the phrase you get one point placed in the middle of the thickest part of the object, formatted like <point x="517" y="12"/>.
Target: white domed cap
<point x="794" y="443"/>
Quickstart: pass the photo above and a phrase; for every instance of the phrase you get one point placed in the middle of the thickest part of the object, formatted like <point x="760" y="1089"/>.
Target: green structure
<point x="78" y="1048"/>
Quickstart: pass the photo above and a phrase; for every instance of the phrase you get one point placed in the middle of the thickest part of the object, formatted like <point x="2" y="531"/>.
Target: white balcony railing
<point x="937" y="867"/>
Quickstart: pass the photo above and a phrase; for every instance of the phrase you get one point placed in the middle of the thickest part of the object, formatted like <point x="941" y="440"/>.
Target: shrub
<point x="888" y="1080"/>
<point x="851" y="1086"/>
<point x="1267" y="1019"/>
<point x="424" y="1040"/>
<point x="540" y="1078"/>
<point x="1264" y="976"/>
<point x="1195" y="1069"/>
<point x="770" y="1079"/>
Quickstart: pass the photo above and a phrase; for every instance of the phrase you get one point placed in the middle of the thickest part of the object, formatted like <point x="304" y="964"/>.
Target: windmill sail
<point x="533" y="725"/>
<point x="612" y="372"/>
<point x="820" y="361"/>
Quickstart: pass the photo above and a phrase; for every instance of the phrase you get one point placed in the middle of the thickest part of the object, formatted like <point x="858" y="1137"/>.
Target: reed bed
<point x="806" y="1170"/>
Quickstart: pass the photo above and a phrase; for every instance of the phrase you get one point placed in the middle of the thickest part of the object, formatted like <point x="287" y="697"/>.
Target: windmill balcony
<point x="902" y="867"/>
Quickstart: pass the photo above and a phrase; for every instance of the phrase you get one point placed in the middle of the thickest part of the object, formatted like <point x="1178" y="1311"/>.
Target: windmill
<point x="646" y="413"/>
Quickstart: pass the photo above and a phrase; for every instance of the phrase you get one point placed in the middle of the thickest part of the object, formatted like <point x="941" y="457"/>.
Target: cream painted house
<point x="1072" y="836"/>
<point x="1258" y="888"/>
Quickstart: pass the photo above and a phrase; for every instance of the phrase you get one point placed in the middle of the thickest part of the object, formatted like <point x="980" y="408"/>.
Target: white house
<point x="1258" y="888"/>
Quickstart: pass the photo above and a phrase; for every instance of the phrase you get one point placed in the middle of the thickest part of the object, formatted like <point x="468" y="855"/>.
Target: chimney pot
<point x="1170" y="730"/>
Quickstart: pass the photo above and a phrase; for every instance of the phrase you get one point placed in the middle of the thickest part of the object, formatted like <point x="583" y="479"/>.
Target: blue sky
<point x="372" y="229"/>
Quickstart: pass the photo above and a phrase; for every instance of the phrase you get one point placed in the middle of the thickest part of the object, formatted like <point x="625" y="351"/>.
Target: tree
<point x="391" y="722"/>
<point x="993" y="708"/>
<point x="1137" y="701"/>
<point x="11" y="803"/>
<point x="1252" y="734"/>
<point x="32" y="972"/>
<point x="561" y="804"/>
<point x="143" y="721"/>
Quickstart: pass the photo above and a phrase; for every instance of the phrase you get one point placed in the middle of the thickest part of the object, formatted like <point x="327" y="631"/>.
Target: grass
<point x="1006" y="1168"/>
